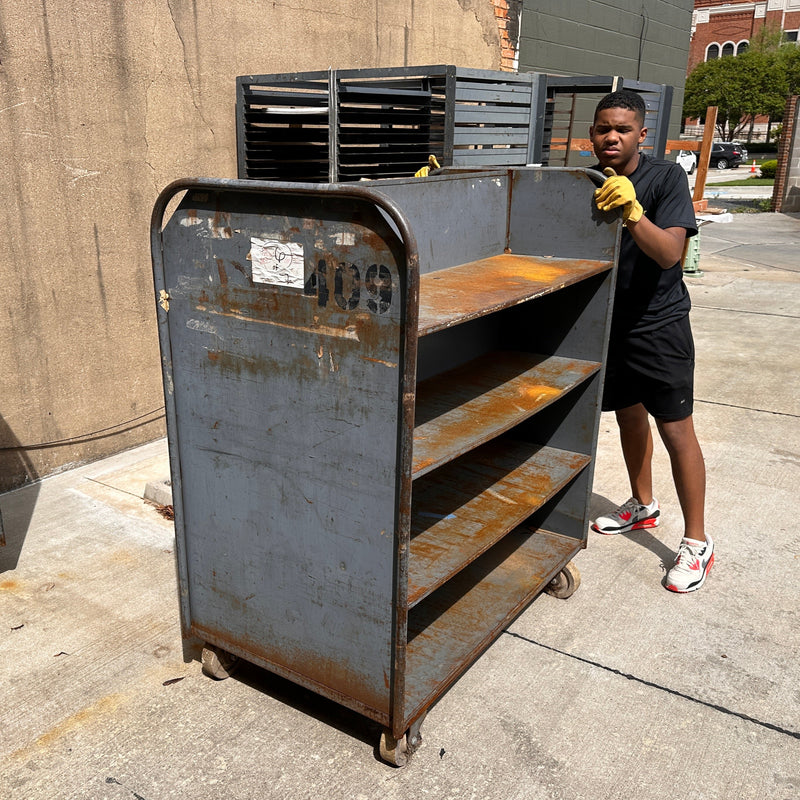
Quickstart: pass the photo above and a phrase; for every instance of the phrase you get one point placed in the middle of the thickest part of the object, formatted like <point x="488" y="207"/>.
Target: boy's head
<point x="618" y="130"/>
<point x="625" y="98"/>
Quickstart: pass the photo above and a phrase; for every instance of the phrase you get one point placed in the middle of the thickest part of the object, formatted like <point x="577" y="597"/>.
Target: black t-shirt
<point x="647" y="296"/>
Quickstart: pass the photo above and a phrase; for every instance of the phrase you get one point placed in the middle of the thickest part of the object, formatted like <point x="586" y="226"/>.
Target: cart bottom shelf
<point x="449" y="629"/>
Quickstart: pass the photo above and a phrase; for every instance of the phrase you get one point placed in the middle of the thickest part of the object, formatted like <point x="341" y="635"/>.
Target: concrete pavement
<point x="623" y="691"/>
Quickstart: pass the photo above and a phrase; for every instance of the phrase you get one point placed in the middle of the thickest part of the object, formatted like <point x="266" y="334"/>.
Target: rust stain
<point x="122" y="557"/>
<point x="373" y="241"/>
<point x="223" y="276"/>
<point x="392" y="364"/>
<point x="350" y="332"/>
<point x="81" y="719"/>
<point x="332" y="678"/>
<point x="489" y="284"/>
<point x="238" y="266"/>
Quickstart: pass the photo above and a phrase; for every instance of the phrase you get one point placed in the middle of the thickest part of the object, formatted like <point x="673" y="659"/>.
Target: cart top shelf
<point x="458" y="294"/>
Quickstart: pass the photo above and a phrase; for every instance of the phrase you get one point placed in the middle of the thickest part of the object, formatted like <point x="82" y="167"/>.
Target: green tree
<point x="743" y="87"/>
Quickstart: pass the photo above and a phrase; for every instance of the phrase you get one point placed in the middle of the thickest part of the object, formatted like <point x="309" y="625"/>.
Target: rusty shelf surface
<point x="462" y="509"/>
<point x="451" y="296"/>
<point x="451" y="627"/>
<point x="467" y="406"/>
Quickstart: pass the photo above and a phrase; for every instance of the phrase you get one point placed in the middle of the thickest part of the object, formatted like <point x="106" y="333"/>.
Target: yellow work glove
<point x="617" y="191"/>
<point x="432" y="164"/>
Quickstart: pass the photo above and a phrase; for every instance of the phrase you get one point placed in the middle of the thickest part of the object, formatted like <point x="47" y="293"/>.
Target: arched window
<point x="712" y="52"/>
<point x="728" y="49"/>
<point x="742" y="46"/>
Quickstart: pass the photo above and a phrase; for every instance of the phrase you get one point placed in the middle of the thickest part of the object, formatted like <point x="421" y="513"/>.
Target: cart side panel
<point x="456" y="217"/>
<point x="553" y="214"/>
<point x="284" y="319"/>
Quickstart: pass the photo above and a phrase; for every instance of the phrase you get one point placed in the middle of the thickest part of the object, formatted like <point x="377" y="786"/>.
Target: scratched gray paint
<point x="286" y="443"/>
<point x="455" y="219"/>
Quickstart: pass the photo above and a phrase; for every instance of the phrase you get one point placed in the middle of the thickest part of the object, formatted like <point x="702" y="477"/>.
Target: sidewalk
<point x="623" y="691"/>
<point x="718" y="194"/>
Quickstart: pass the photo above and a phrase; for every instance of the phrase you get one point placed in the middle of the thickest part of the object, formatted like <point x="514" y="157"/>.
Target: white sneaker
<point x="630" y="516"/>
<point x="692" y="564"/>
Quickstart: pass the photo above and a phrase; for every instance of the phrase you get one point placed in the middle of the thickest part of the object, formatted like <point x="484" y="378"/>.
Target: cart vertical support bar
<point x="405" y="459"/>
<point x="162" y="316"/>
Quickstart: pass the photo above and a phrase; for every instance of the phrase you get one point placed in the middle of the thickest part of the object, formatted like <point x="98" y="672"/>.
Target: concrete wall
<point x="103" y="104"/>
<point x="646" y="40"/>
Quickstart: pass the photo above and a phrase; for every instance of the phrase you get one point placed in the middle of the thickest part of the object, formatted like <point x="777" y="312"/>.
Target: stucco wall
<point x="103" y="104"/>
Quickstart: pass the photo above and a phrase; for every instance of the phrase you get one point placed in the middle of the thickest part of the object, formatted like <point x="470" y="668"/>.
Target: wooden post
<point x="703" y="159"/>
<point x="705" y="154"/>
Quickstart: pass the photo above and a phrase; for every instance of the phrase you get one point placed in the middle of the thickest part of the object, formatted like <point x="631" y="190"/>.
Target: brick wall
<point x="786" y="193"/>
<point x="722" y="21"/>
<point x="507" y="14"/>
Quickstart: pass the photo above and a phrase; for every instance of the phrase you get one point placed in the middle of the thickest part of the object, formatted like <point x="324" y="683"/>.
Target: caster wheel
<point x="394" y="751"/>
<point x="398" y="751"/>
<point x="565" y="583"/>
<point x="218" y="663"/>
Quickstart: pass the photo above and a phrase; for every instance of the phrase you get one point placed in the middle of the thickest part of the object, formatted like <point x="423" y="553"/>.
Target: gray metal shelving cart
<point x="382" y="406"/>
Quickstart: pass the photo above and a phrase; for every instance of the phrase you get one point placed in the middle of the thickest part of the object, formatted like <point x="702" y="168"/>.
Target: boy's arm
<point x="663" y="245"/>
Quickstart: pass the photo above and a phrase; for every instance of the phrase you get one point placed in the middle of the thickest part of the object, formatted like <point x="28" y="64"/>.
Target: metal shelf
<point x="454" y="625"/>
<point x="466" y="407"/>
<point x="455" y="295"/>
<point x="461" y="510"/>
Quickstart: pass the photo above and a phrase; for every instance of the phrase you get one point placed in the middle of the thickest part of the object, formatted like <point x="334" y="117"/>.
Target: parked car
<point x="688" y="160"/>
<point x="726" y="154"/>
<point x="741" y="147"/>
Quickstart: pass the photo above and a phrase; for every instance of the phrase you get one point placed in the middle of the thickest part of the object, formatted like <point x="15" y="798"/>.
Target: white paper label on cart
<point x="278" y="263"/>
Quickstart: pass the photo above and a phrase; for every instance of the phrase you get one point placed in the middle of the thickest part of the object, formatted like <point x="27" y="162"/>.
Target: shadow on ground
<point x="16" y="507"/>
<point x="644" y="538"/>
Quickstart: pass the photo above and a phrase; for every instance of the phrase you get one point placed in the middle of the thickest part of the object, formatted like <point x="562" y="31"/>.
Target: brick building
<point x="725" y="27"/>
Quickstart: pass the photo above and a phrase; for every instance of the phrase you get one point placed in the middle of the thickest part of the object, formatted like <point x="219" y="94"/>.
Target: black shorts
<point x="655" y="369"/>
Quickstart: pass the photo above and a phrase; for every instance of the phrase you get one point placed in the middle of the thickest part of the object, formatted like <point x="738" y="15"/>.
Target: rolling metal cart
<point x="382" y="409"/>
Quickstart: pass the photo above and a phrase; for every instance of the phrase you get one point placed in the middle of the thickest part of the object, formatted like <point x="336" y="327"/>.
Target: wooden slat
<point x="461" y="510"/>
<point x="463" y="408"/>
<point x="452" y="296"/>
<point x="449" y="629"/>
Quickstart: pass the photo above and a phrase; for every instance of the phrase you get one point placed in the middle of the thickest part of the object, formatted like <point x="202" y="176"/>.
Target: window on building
<point x="727" y="49"/>
<point x="790" y="36"/>
<point x="712" y="52"/>
<point x="741" y="47"/>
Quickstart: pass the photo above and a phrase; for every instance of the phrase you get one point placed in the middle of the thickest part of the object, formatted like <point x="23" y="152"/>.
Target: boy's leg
<point x="688" y="472"/>
<point x="637" y="449"/>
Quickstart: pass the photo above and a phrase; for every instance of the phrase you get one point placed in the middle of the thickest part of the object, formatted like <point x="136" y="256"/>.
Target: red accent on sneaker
<point x="626" y="515"/>
<point x="645" y="523"/>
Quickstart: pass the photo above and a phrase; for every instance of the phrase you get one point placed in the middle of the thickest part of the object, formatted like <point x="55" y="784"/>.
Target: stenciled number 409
<point x="351" y="288"/>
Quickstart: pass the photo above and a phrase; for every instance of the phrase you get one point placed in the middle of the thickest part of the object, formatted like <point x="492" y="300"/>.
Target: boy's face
<point x="616" y="136"/>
